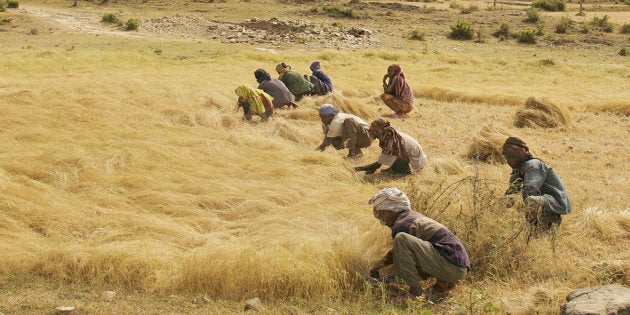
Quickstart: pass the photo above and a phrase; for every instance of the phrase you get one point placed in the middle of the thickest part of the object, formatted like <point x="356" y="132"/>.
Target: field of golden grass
<point x="124" y="167"/>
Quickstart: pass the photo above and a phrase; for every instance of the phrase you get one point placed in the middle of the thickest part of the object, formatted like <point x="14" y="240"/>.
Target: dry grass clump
<point x="539" y="113"/>
<point x="441" y="94"/>
<point x="486" y="146"/>
<point x="448" y="167"/>
<point x="342" y="103"/>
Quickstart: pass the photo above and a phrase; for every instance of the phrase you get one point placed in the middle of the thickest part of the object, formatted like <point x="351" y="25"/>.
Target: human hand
<point x="515" y="187"/>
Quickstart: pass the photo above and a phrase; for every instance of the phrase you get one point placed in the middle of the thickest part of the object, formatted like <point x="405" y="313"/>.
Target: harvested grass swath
<point x="486" y="146"/>
<point x="615" y="108"/>
<point x="343" y="104"/>
<point x="538" y="113"/>
<point x="448" y="167"/>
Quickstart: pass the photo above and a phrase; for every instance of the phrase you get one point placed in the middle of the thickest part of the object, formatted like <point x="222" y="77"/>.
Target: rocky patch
<point x="268" y="33"/>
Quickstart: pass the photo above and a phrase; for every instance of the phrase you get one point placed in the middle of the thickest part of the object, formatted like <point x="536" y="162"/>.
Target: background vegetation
<point x="128" y="170"/>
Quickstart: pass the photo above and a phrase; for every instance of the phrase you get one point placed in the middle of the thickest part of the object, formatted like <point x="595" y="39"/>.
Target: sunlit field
<point x="124" y="166"/>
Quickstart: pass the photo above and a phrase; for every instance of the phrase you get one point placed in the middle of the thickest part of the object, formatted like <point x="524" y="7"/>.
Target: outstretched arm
<point x="325" y="143"/>
<point x="387" y="260"/>
<point x="368" y="169"/>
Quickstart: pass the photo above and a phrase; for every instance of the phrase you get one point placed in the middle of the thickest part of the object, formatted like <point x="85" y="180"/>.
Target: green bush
<point x="132" y="24"/>
<point x="3" y="5"/>
<point x="565" y="24"/>
<point x="532" y="15"/>
<point x="527" y="37"/>
<point x="625" y="28"/>
<point x="342" y="11"/>
<point x="416" y="35"/>
<point x="462" y="30"/>
<point x="110" y="18"/>
<point x="13" y="4"/>
<point x="549" y="5"/>
<point x="602" y="24"/>
<point x="623" y="52"/>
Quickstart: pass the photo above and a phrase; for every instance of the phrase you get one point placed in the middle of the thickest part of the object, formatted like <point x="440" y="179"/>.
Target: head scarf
<point x="328" y="109"/>
<point x="315" y="65"/>
<point x="261" y="75"/>
<point x="397" y="79"/>
<point x="390" y="199"/>
<point x="517" y="149"/>
<point x="282" y="68"/>
<point x="252" y="97"/>
<point x="390" y="141"/>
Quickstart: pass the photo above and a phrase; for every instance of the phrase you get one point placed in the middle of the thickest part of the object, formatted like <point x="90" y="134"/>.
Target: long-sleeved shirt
<point x="296" y="83"/>
<point x="274" y="87"/>
<point x="321" y="75"/>
<point x="540" y="180"/>
<point x="335" y="129"/>
<point x="427" y="229"/>
<point x="417" y="157"/>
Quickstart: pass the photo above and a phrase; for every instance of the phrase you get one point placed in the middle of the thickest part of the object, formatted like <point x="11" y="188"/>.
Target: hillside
<point x="125" y="167"/>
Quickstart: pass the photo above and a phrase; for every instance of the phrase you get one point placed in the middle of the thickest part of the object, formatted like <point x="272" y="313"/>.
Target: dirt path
<point x="77" y="20"/>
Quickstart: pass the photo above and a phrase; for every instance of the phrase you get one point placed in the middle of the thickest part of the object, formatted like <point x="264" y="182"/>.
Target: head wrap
<point x="261" y="75"/>
<point x="315" y="65"/>
<point x="390" y="141"/>
<point x="517" y="149"/>
<point x="397" y="79"/>
<point x="395" y="70"/>
<point x="282" y="68"/>
<point x="390" y="199"/>
<point x="328" y="109"/>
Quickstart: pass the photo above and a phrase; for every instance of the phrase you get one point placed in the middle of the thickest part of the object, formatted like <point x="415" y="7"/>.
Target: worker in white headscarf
<point x="422" y="248"/>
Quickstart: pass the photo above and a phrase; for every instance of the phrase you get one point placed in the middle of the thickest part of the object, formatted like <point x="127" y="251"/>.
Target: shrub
<point x="3" y="5"/>
<point x="540" y="29"/>
<point x="342" y="11"/>
<point x="623" y="52"/>
<point x="625" y="28"/>
<point x="462" y="30"/>
<point x="471" y="8"/>
<point x="503" y="32"/>
<point x="13" y="4"/>
<point x="132" y="24"/>
<point x="602" y="24"/>
<point x="527" y="37"/>
<point x="416" y="35"/>
<point x="454" y="5"/>
<point x="480" y="37"/>
<point x="110" y="18"/>
<point x="564" y="24"/>
<point x="532" y="15"/>
<point x="549" y="5"/>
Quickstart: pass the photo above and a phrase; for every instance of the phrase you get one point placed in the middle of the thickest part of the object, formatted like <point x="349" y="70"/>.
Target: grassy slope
<point x="127" y="170"/>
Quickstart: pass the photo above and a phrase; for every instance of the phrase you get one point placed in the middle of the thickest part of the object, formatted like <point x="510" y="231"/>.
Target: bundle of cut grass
<point x="447" y="167"/>
<point x="486" y="147"/>
<point x="541" y="114"/>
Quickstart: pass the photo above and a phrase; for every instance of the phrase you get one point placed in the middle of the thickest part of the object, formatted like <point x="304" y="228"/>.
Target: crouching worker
<point x="254" y="102"/>
<point x="343" y="130"/>
<point x="422" y="248"/>
<point x="543" y="193"/>
<point x="400" y="152"/>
